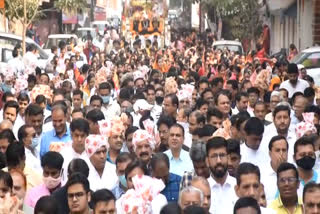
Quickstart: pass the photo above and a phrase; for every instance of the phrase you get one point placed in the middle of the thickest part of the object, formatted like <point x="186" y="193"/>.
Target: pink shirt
<point x="35" y="194"/>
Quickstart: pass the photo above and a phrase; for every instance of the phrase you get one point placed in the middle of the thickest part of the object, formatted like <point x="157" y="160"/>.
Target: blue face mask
<point x="49" y="107"/>
<point x="105" y="99"/>
<point x="6" y="88"/>
<point x="34" y="142"/>
<point x="123" y="180"/>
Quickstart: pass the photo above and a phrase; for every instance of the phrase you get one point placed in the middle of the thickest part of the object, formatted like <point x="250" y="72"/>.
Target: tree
<point x="24" y="11"/>
<point x="244" y="19"/>
<point x="242" y="16"/>
<point x="70" y="7"/>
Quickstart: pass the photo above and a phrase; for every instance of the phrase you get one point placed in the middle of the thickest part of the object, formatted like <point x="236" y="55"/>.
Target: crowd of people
<point x="148" y="129"/>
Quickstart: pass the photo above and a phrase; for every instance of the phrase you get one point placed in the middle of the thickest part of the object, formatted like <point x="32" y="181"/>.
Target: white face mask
<point x="51" y="182"/>
<point x="317" y="154"/>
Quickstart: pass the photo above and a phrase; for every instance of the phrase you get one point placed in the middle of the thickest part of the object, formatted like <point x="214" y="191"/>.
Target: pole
<point x="200" y="15"/>
<point x="24" y="26"/>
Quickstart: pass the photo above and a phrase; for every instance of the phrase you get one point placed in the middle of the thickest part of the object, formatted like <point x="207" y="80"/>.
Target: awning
<point x="277" y="5"/>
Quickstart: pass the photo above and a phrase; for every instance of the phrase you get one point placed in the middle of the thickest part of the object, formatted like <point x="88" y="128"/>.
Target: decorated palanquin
<point x="145" y="17"/>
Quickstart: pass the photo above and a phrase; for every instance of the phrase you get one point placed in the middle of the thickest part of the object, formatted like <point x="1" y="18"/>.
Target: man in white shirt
<point x="280" y="126"/>
<point x="26" y="135"/>
<point x="75" y="149"/>
<point x="248" y="184"/>
<point x="16" y="63"/>
<point x="110" y="108"/>
<point x="278" y="152"/>
<point x="221" y="183"/>
<point x="34" y="117"/>
<point x="242" y="99"/>
<point x="294" y="84"/>
<point x="102" y="174"/>
<point x="251" y="149"/>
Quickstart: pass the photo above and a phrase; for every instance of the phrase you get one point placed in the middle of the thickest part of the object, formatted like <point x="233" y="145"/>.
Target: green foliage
<point x="241" y="16"/>
<point x="14" y="10"/>
<point x="244" y="19"/>
<point x="70" y="7"/>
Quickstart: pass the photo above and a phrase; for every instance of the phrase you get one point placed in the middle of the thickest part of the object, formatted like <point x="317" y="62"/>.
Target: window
<point x="312" y="61"/>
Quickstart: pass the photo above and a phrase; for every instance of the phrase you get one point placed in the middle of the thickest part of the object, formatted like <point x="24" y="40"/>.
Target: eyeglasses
<point x="221" y="156"/>
<point x="291" y="180"/>
<point x="77" y="195"/>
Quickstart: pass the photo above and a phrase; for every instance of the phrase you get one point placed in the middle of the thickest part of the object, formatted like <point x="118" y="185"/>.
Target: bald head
<point x="202" y="184"/>
<point x="6" y="124"/>
<point x="300" y="103"/>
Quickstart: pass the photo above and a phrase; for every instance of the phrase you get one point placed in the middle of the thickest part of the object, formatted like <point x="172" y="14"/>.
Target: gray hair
<point x="277" y="94"/>
<point x="200" y="179"/>
<point x="189" y="189"/>
<point x="198" y="152"/>
<point x="284" y="103"/>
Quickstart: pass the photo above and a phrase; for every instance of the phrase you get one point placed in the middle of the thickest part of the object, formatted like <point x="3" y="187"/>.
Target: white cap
<point x="300" y="66"/>
<point x="141" y="104"/>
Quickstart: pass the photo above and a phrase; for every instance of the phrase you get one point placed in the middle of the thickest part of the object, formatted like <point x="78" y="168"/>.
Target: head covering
<point x="141" y="105"/>
<point x="77" y="49"/>
<point x="306" y="125"/>
<point x="138" y="200"/>
<point x="293" y="68"/>
<point x="144" y="70"/>
<point x="171" y="86"/>
<point x="300" y="66"/>
<point x="263" y="79"/>
<point x="44" y="90"/>
<point x="101" y="76"/>
<point x="116" y="125"/>
<point x="138" y="75"/>
<point x="95" y="142"/>
<point x="142" y="135"/>
<point x="56" y="146"/>
<point x="20" y="85"/>
<point x="185" y="92"/>
<point x="9" y="75"/>
<point x="224" y="131"/>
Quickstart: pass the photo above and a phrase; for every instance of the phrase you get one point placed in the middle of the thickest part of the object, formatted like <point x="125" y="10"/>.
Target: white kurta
<point x="259" y="157"/>
<point x="68" y="155"/>
<point x="33" y="161"/>
<point x="271" y="131"/>
<point x="269" y="180"/>
<point x="108" y="180"/>
<point x="222" y="196"/>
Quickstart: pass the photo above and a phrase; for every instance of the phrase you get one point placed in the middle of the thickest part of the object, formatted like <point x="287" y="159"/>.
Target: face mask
<point x="159" y="100"/>
<point x="306" y="163"/>
<point x="317" y="153"/>
<point x="123" y="181"/>
<point x="129" y="109"/>
<point x="51" y="182"/>
<point x="6" y="88"/>
<point x="34" y="142"/>
<point x="105" y="99"/>
<point x="49" y="107"/>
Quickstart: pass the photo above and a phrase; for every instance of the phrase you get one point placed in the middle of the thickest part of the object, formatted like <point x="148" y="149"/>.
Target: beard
<point x="293" y="82"/>
<point x="219" y="172"/>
